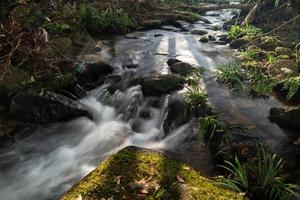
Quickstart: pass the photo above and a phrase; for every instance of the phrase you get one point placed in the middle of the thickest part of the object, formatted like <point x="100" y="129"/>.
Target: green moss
<point x="174" y="179"/>
<point x="61" y="44"/>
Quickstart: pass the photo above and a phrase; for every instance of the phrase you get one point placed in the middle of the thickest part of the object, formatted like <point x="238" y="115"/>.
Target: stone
<point x="270" y="43"/>
<point x="173" y="61"/>
<point x="181" y="68"/>
<point x="284" y="51"/>
<point x="287" y="118"/>
<point x="151" y="24"/>
<point x="184" y="25"/>
<point x="211" y="38"/>
<point x="280" y="66"/>
<point x="157" y="85"/>
<point x="240" y="42"/>
<point x="37" y="106"/>
<point x="198" y="32"/>
<point x="99" y="46"/>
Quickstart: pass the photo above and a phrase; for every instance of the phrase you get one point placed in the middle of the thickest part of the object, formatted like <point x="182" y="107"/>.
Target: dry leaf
<point x="179" y="179"/>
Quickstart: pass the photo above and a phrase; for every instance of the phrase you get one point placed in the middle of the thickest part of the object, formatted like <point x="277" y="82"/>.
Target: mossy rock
<point x="284" y="51"/>
<point x="151" y="24"/>
<point x="241" y="42"/>
<point x="204" y="39"/>
<point x="135" y="173"/>
<point x="287" y="118"/>
<point x="270" y="43"/>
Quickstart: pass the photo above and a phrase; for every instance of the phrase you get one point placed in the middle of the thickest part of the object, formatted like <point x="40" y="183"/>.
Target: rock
<point x="132" y="66"/>
<point x="151" y="24"/>
<point x="75" y="90"/>
<point x="5" y="95"/>
<point x="173" y="61"/>
<point x="99" y="46"/>
<point x="161" y="84"/>
<point x="287" y="118"/>
<point x="129" y="170"/>
<point x="211" y="38"/>
<point x="297" y="142"/>
<point x="270" y="43"/>
<point x="182" y="68"/>
<point x="66" y="66"/>
<point x="158" y="35"/>
<point x="225" y="38"/>
<point x="220" y="43"/>
<point x="198" y="32"/>
<point x="284" y="51"/>
<point x="240" y="42"/>
<point x="170" y="28"/>
<point x="185" y="26"/>
<point x="36" y="106"/>
<point x="204" y="39"/>
<point x="280" y="66"/>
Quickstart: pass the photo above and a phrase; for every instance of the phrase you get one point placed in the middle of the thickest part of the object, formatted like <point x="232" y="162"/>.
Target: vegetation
<point x="131" y="173"/>
<point x="229" y="73"/>
<point x="208" y="127"/>
<point x="237" y="31"/>
<point x="261" y="85"/>
<point x="261" y="180"/>
<point x="195" y="96"/>
<point x="194" y="76"/>
<point x="292" y="86"/>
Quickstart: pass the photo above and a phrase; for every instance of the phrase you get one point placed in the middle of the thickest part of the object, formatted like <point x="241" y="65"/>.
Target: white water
<point x="45" y="164"/>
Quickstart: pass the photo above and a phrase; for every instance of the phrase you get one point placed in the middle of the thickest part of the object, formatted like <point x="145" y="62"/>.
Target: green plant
<point x="271" y="58"/>
<point x="229" y="73"/>
<point x="292" y="85"/>
<point x="237" y="31"/>
<point x="248" y="54"/>
<point x="194" y="76"/>
<point x="261" y="85"/>
<point x="195" y="96"/>
<point x="62" y="80"/>
<point x="60" y="29"/>
<point x="261" y="180"/>
<point x="208" y="127"/>
<point x="240" y="182"/>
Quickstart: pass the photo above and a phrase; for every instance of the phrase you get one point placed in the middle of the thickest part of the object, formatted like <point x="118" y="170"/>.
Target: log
<point x="202" y="9"/>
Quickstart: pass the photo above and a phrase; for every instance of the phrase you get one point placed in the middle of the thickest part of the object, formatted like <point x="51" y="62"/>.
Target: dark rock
<point x="151" y="24"/>
<point x="198" y="32"/>
<point x="211" y="38"/>
<point x="95" y="70"/>
<point x="181" y="68"/>
<point x="5" y="95"/>
<point x="161" y="84"/>
<point x="35" y="106"/>
<point x="173" y="61"/>
<point x="287" y="118"/>
<point x="185" y="26"/>
<point x="132" y="66"/>
<point x="66" y="66"/>
<point x="158" y="35"/>
<point x="220" y="43"/>
<point x="238" y="43"/>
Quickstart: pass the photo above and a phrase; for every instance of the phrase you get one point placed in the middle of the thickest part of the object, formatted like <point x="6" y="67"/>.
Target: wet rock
<point x="220" y="43"/>
<point x="270" y="43"/>
<point x="204" y="39"/>
<point x="170" y="28"/>
<point x="132" y="66"/>
<point x="75" y="90"/>
<point x="238" y="43"/>
<point x="185" y="26"/>
<point x="287" y="118"/>
<point x="151" y="24"/>
<point x="158" y="35"/>
<point x="211" y="38"/>
<point x="66" y="66"/>
<point x="181" y="68"/>
<point x="173" y="61"/>
<point x="198" y="32"/>
<point x="36" y="106"/>
<point x="161" y="84"/>
<point x="284" y="51"/>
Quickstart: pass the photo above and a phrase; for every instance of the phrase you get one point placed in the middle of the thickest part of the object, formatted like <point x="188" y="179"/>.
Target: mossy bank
<point x="135" y="173"/>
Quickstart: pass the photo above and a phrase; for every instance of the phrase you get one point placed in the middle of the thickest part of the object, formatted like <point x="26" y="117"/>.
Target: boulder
<point x="240" y="42"/>
<point x="161" y="84"/>
<point x="151" y="24"/>
<point x="287" y="118"/>
<point x="36" y="106"/>
<point x="211" y="38"/>
<point x="95" y="70"/>
<point x="182" y="68"/>
<point x="198" y="32"/>
<point x="270" y="43"/>
<point x="284" y="51"/>
<point x="204" y="39"/>
<point x="173" y="61"/>
<point x="184" y="25"/>
<point x="136" y="173"/>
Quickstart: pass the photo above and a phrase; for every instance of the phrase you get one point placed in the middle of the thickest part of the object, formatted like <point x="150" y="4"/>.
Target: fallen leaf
<point x="179" y="179"/>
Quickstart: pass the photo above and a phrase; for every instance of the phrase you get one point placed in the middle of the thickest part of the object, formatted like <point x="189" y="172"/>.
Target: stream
<point x="45" y="162"/>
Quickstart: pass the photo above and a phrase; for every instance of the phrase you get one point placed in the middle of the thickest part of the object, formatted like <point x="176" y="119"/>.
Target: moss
<point x="61" y="44"/>
<point x="60" y="81"/>
<point x="173" y="178"/>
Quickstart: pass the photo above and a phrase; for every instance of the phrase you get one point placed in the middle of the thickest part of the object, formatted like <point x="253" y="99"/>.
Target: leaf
<point x="179" y="179"/>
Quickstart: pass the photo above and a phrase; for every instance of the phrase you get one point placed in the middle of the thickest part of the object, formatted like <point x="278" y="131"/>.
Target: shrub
<point x="106" y="21"/>
<point x="292" y="85"/>
<point x="194" y="76"/>
<point x="238" y="31"/>
<point x="261" y="85"/>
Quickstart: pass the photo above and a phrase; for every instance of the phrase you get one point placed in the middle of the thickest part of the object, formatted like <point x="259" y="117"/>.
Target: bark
<point x="251" y="15"/>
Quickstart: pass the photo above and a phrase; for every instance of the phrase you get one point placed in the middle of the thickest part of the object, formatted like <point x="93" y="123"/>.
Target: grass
<point x="261" y="180"/>
<point x="208" y="127"/>
<point x="271" y="58"/>
<point x="248" y="54"/>
<point x="133" y="173"/>
<point x="194" y="76"/>
<point x="291" y="84"/>
<point x="237" y="31"/>
<point x="229" y="73"/>
<point x="261" y="85"/>
<point x="195" y="96"/>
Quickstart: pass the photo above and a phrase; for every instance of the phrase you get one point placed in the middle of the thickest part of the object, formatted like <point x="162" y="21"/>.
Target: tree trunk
<point x="251" y="15"/>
